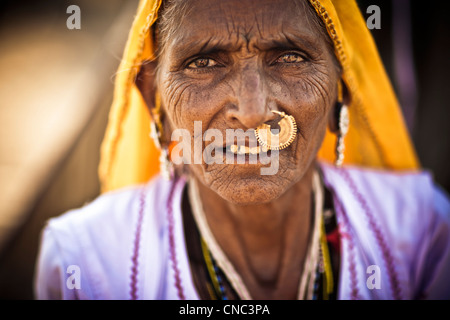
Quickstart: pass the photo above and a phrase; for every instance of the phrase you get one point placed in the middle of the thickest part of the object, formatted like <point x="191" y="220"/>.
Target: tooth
<point x="243" y="150"/>
<point x="264" y="149"/>
<point x="254" y="150"/>
<point x="234" y="148"/>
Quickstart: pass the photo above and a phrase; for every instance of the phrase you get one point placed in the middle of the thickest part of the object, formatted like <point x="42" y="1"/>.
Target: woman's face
<point x="227" y="64"/>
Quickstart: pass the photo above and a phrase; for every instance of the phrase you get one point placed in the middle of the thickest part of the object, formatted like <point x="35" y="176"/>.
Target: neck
<point x="266" y="243"/>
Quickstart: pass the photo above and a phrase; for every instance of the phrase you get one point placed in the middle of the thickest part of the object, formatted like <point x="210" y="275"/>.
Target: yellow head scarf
<point x="377" y="136"/>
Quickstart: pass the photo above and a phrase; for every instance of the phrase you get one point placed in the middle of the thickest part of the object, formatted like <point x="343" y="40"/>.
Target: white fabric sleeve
<point x="51" y="271"/>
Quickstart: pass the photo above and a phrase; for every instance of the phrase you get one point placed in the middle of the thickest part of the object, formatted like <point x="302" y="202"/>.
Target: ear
<point x="146" y="83"/>
<point x="333" y="119"/>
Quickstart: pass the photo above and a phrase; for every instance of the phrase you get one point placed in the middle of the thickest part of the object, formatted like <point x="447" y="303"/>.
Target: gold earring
<point x="156" y="127"/>
<point x="344" y="124"/>
<point x="156" y="134"/>
<point x="166" y="166"/>
<point x="285" y="136"/>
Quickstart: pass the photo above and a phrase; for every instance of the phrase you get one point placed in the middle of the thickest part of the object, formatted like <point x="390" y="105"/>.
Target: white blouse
<point x="116" y="248"/>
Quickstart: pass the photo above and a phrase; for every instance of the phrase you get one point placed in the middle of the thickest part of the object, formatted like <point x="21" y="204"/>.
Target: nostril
<point x="233" y="118"/>
<point x="274" y="122"/>
<point x="249" y="115"/>
<point x="274" y="126"/>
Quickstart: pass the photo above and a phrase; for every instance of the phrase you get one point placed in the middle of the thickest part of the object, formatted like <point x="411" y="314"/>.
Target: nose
<point x="252" y="107"/>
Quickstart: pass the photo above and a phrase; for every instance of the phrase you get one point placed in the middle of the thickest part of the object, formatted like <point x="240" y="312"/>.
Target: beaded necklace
<point x="213" y="271"/>
<point x="322" y="267"/>
<point x="317" y="264"/>
<point x="323" y="272"/>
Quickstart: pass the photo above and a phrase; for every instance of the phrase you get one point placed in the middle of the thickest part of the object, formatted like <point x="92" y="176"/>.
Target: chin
<point x="253" y="191"/>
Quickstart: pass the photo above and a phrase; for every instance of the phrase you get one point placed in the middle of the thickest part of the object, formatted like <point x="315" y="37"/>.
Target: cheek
<point x="310" y="100"/>
<point x="309" y="97"/>
<point x="190" y="105"/>
<point x="174" y="97"/>
<point x="186" y="101"/>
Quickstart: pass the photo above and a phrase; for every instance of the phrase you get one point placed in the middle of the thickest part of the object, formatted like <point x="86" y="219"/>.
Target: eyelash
<point x="298" y="55"/>
<point x="218" y="65"/>
<point x="202" y="69"/>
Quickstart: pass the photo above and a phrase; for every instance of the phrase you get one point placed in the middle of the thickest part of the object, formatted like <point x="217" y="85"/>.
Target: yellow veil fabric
<point x="377" y="136"/>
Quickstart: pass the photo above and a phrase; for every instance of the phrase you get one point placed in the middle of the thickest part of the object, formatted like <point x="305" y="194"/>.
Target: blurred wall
<point x="55" y="92"/>
<point x="414" y="36"/>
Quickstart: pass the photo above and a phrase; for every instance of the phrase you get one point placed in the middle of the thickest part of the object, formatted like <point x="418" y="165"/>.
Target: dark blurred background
<point x="414" y="44"/>
<point x="56" y="88"/>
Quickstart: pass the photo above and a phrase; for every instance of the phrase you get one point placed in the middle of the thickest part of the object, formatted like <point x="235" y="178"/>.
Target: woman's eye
<point x="202" y="63"/>
<point x="290" y="58"/>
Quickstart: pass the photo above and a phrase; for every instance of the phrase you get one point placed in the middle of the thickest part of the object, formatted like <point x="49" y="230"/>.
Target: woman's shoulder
<point x="375" y="176"/>
<point x="99" y="239"/>
<point x="413" y="188"/>
<point x="408" y="200"/>
<point x="113" y="209"/>
<point x="397" y="216"/>
<point x="107" y="208"/>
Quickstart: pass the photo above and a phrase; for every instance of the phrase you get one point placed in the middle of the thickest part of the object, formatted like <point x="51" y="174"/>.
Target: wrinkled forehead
<point x="251" y="23"/>
<point x="244" y="16"/>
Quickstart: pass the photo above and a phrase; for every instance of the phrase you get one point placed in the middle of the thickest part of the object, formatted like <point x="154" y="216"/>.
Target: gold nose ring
<point x="281" y="140"/>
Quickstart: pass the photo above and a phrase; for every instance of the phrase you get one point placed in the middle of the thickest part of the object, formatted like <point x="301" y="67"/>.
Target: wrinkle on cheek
<point x="186" y="102"/>
<point x="319" y="88"/>
<point x="176" y="95"/>
<point x="319" y="91"/>
<point x="276" y="86"/>
<point x="313" y="94"/>
<point x="309" y="119"/>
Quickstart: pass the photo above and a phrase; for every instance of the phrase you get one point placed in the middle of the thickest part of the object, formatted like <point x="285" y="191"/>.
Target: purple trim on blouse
<point x="137" y="240"/>
<point x="343" y="230"/>
<point x="381" y="241"/>
<point x="172" y="244"/>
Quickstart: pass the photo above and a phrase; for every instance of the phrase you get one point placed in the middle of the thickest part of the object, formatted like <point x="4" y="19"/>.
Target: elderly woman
<point x="300" y="85"/>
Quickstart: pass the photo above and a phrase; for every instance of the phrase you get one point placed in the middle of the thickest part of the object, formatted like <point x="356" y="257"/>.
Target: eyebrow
<point x="186" y="48"/>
